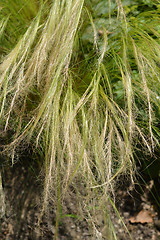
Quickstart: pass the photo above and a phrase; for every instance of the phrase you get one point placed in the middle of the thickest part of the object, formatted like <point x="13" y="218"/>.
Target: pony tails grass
<point x="81" y="104"/>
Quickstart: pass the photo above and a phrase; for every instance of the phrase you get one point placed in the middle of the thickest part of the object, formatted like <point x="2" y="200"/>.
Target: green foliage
<point x="19" y="15"/>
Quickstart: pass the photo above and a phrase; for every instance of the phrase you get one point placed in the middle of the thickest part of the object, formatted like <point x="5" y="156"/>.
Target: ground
<point x="22" y="195"/>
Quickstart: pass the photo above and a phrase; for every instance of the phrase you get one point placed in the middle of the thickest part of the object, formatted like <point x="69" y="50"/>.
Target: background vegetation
<point x="80" y="86"/>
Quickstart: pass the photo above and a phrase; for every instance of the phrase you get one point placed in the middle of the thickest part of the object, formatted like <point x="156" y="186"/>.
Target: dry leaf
<point x="143" y="216"/>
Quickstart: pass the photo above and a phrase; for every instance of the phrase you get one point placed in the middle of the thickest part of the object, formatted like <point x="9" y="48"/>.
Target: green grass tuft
<point x="82" y="89"/>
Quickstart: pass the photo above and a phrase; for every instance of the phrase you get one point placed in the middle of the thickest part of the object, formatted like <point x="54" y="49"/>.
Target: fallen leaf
<point x="143" y="216"/>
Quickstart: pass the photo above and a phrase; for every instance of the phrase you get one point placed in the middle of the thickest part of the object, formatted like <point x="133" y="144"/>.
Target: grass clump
<point x="83" y="89"/>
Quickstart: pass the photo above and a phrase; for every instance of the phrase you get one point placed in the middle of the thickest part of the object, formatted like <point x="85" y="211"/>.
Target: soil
<point x="22" y="191"/>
